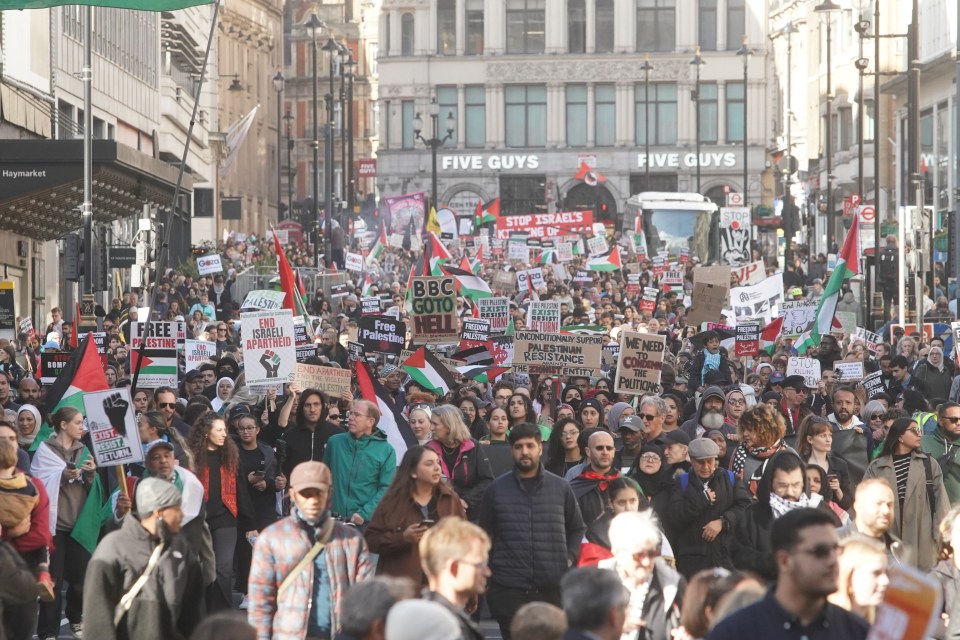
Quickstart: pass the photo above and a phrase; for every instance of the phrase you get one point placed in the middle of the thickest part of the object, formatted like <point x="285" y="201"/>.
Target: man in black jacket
<point x="534" y="522"/>
<point x="590" y="487"/>
<point x="705" y="507"/>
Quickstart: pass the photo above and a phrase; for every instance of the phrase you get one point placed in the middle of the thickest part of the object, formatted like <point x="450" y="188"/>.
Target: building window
<point x="666" y="182"/>
<point x="663" y="113"/>
<point x="525" y="26"/>
<point x="846" y="127"/>
<point x="577" y="26"/>
<point x="406" y="34"/>
<point x="605" y="115"/>
<point x="526" y="115"/>
<point x="475" y="114"/>
<point x="447" y="101"/>
<point x="446" y="27"/>
<point x="522" y="194"/>
<point x="603" y="20"/>
<point x="576" y="115"/>
<point x="735" y="105"/>
<point x="474" y="27"/>
<point x="736" y="23"/>
<point x="709" y="113"/>
<point x="386" y="142"/>
<point x="707" y="25"/>
<point x="386" y="34"/>
<point x="869" y="113"/>
<point x="407" y="115"/>
<point x="656" y="25"/>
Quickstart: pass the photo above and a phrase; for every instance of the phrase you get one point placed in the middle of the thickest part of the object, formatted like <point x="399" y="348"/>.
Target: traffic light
<point x="72" y="257"/>
<point x="101" y="279"/>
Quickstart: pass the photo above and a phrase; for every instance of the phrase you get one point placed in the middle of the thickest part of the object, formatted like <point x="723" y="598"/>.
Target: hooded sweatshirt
<point x="694" y="427"/>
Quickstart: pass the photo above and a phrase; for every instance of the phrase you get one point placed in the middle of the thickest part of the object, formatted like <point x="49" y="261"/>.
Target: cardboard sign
<point x="51" y="364"/>
<point x="873" y="384"/>
<point x="331" y="380"/>
<point x="435" y="310"/>
<point x="209" y="264"/>
<point x="196" y="352"/>
<point x="159" y="367"/>
<point x="518" y="251"/>
<point x="269" y="347"/>
<point x="640" y="363"/>
<point x="752" y="273"/>
<point x="648" y="303"/>
<point x="809" y="368"/>
<point x="506" y="281"/>
<point x="747" y="339"/>
<point x="672" y="279"/>
<point x="497" y="311"/>
<point x="911" y="606"/>
<point x="597" y="245"/>
<point x="502" y="349"/>
<point x="709" y="302"/>
<point x="114" y="436"/>
<point x="370" y="306"/>
<point x="759" y="300"/>
<point x="712" y="275"/>
<point x="354" y="262"/>
<point x="798" y="315"/>
<point x="263" y="299"/>
<point x="475" y="333"/>
<point x="563" y="353"/>
<point x="848" y="371"/>
<point x="381" y="334"/>
<point x="544" y="316"/>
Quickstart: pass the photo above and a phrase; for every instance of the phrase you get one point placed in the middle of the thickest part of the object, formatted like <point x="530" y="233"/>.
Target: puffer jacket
<point x="362" y="470"/>
<point x="169" y="606"/>
<point x="536" y="535"/>
<point x="471" y="473"/>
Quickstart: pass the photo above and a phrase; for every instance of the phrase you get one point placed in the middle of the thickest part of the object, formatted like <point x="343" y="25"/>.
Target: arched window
<point x="406" y="34"/>
<point x="583" y="197"/>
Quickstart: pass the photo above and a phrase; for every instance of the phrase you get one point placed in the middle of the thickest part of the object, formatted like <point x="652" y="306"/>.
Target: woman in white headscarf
<point x="224" y="391"/>
<point x="934" y="376"/>
<point x="29" y="427"/>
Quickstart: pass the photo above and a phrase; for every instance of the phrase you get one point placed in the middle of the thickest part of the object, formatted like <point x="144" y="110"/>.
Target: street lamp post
<point x="332" y="48"/>
<point x="344" y="52"/>
<point x="288" y="119"/>
<point x="315" y="23"/>
<point x="434" y="143"/>
<point x="828" y="7"/>
<point x="351" y="187"/>
<point x="278" y="87"/>
<point x="697" y="62"/>
<point x="744" y="52"/>
<point x="646" y="68"/>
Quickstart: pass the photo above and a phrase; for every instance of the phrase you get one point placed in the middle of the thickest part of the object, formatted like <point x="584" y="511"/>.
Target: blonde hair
<point x="452" y="418"/>
<point x="450" y="539"/>
<point x="854" y="552"/>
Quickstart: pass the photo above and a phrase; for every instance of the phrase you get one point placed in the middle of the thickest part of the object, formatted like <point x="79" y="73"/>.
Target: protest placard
<point x="331" y="380"/>
<point x="560" y="272"/>
<point x="871" y="339"/>
<point x="797" y="316"/>
<point x="435" y="310"/>
<point x="114" y="435"/>
<point x="583" y="276"/>
<point x="196" y="352"/>
<point x="51" y="364"/>
<point x="848" y="371"/>
<point x="747" y="339"/>
<point x="748" y="274"/>
<point x="518" y="251"/>
<point x="263" y="299"/>
<point x="506" y="281"/>
<point x="381" y="334"/>
<point x="370" y="306"/>
<point x="759" y="300"/>
<point x="809" y="368"/>
<point x="847" y="321"/>
<point x="648" y="302"/>
<point x="672" y="278"/>
<point x="159" y="364"/>
<point x="269" y="346"/>
<point x="355" y="352"/>
<point x="535" y="277"/>
<point x="597" y="245"/>
<point x="565" y="251"/>
<point x="873" y="384"/>
<point x="709" y="301"/>
<point x="476" y="332"/>
<point x="497" y="311"/>
<point x="712" y="275"/>
<point x="640" y="363"/>
<point x="209" y="264"/>
<point x="633" y="284"/>
<point x="544" y="316"/>
<point x="501" y="349"/>
<point x="353" y="262"/>
<point x="911" y="606"/>
<point x="563" y="353"/>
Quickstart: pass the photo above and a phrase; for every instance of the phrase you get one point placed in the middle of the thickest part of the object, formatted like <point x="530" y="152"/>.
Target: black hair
<point x="787" y="528"/>
<point x="899" y="362"/>
<point x="525" y="430"/>
<point x="897" y="429"/>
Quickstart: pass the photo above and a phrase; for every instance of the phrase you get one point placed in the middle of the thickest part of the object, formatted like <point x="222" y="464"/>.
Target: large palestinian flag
<point x="392" y="422"/>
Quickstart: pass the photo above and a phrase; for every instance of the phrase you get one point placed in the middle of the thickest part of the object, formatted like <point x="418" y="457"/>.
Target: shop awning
<point x="41" y="185"/>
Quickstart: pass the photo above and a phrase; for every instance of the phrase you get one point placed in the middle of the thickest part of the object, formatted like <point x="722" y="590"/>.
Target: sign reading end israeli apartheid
<point x="113" y="427"/>
<point x="640" y="363"/>
<point x="435" y="310"/>
<point x="197" y="352"/>
<point x="566" y="354"/>
<point x="269" y="346"/>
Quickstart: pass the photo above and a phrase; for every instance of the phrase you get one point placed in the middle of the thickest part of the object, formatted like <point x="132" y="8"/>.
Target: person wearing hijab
<point x="654" y="476"/>
<point x="616" y="412"/>
<point x="590" y="413"/>
<point x="30" y="431"/>
<point x="933" y="377"/>
<point x="224" y="388"/>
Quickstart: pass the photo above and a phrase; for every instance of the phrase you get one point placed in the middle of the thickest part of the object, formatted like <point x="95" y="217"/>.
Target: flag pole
<point x="162" y="253"/>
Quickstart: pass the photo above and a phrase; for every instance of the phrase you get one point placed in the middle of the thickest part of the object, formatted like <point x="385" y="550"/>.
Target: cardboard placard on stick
<point x="640" y="363"/>
<point x="747" y="339"/>
<point x="563" y="353"/>
<point x="709" y="302"/>
<point x="114" y="435"/>
<point x="331" y="380"/>
<point x="809" y="368"/>
<point x="269" y="346"/>
<point x="544" y="316"/>
<point x="435" y="310"/>
<point x="497" y="311"/>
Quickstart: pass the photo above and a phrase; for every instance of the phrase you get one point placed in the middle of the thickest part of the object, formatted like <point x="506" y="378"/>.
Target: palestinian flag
<point x="481" y="355"/>
<point x="392" y="422"/>
<point x="591" y="177"/>
<point x="770" y="334"/>
<point x="481" y="373"/>
<point x="585" y="329"/>
<point x="367" y="285"/>
<point x="379" y="247"/>
<point x="487" y="212"/>
<point x="292" y="300"/>
<point x="848" y="265"/>
<point x="438" y="255"/>
<point x="428" y="372"/>
<point x="465" y="264"/>
<point x="549" y="256"/>
<point x="469" y="285"/>
<point x="477" y="263"/>
<point x="608" y="262"/>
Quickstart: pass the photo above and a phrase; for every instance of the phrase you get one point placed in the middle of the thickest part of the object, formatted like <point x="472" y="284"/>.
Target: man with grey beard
<point x="710" y="414"/>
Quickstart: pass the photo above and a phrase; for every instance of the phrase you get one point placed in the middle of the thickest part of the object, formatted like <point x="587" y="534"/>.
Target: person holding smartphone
<point x="415" y="500"/>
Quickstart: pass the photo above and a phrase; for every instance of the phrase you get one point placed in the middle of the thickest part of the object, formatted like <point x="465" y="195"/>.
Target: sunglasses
<point x="951" y="419"/>
<point x="648" y="416"/>
<point x="166" y="405"/>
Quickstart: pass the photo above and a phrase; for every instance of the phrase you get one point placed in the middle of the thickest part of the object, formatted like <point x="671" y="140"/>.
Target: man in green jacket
<point x="943" y="444"/>
<point x="363" y="463"/>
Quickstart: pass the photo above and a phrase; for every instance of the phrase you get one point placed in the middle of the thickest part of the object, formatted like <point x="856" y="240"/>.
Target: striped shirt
<point x="901" y="465"/>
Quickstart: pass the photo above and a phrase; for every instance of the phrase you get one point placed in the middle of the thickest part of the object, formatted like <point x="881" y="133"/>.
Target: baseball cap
<point x="311" y="474"/>
<point x="157" y="444"/>
<point x="153" y="494"/>
<point x="675" y="437"/>
<point x="794" y="382"/>
<point x="701" y="448"/>
<point x="776" y="378"/>
<point x="192" y="375"/>
<point x="631" y="422"/>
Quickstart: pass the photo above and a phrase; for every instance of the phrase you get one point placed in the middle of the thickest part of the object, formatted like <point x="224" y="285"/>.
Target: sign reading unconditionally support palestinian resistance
<point x="331" y="380"/>
<point x="114" y="435"/>
<point x="640" y="363"/>
<point x="435" y="310"/>
<point x="497" y="311"/>
<point x="269" y="346"/>
<point x="566" y="354"/>
<point x="544" y="316"/>
<point x="381" y="334"/>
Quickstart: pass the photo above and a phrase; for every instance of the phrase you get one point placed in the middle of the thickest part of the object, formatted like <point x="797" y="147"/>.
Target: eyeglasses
<point x="648" y="416"/>
<point x="166" y="405"/>
<point x="802" y="390"/>
<point x="736" y="401"/>
<point x="821" y="551"/>
<point x="649" y="457"/>
<point x="916" y="430"/>
<point x="246" y="428"/>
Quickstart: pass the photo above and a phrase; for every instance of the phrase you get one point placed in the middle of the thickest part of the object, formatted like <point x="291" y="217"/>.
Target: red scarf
<point x="600" y="478"/>
<point x="228" y="488"/>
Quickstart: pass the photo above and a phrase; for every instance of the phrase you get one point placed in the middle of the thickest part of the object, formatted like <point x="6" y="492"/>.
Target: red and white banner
<point x="544" y="225"/>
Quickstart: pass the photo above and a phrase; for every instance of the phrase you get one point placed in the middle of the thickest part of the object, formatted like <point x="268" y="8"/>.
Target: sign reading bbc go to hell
<point x="269" y="347"/>
<point x="435" y="310"/>
<point x="640" y="363"/>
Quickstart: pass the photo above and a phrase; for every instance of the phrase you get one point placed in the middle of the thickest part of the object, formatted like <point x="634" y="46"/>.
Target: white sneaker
<point x="244" y="604"/>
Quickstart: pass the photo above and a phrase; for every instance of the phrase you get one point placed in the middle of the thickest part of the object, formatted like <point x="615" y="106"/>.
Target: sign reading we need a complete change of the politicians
<point x="269" y="346"/>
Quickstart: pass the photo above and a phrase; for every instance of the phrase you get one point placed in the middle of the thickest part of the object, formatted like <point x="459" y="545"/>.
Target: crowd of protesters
<point x="739" y="501"/>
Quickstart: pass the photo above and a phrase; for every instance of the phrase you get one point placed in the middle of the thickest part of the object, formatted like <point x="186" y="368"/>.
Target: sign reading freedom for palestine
<point x="566" y="354"/>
